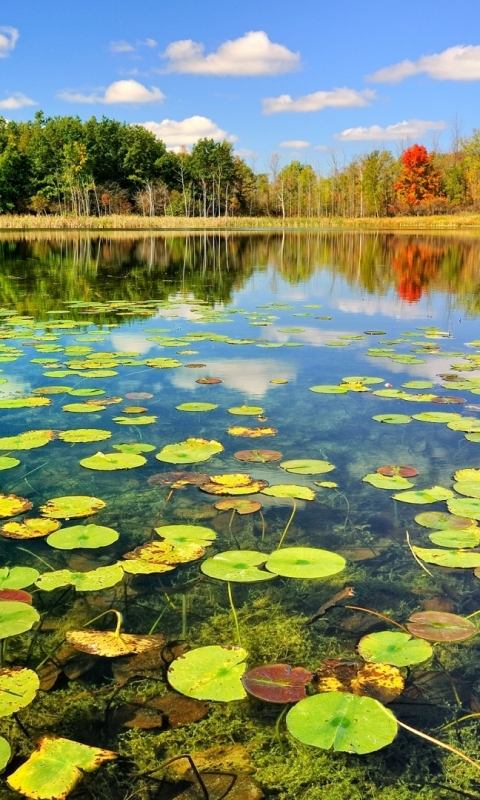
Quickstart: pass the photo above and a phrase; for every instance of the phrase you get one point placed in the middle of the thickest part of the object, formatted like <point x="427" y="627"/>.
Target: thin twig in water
<point x="420" y="564"/>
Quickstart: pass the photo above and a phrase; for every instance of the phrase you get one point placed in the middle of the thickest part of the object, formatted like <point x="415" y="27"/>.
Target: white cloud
<point x="127" y="91"/>
<point x="149" y="43"/>
<point x="17" y="100"/>
<point x="459" y="63"/>
<point x="187" y="132"/>
<point x="408" y="129"/>
<point x="317" y="101"/>
<point x="244" y="152"/>
<point x="8" y="40"/>
<point x="121" y="47"/>
<point x="250" y="376"/>
<point x="251" y="54"/>
<point x="295" y="144"/>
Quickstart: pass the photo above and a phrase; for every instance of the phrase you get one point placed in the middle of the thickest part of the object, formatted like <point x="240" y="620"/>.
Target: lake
<point x="259" y="449"/>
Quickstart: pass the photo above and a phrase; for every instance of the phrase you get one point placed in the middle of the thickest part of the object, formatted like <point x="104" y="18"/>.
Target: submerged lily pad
<point x="190" y="451"/>
<point x="108" y="462"/>
<point x="307" y="466"/>
<point x="134" y="447"/>
<point x="305" y="563"/>
<point x="424" y="496"/>
<point x="277" y="683"/>
<point x="342" y="722"/>
<point x="71" y="506"/>
<point x="438" y="626"/>
<point x="88" y="536"/>
<point x="394" y="647"/>
<point x="238" y="566"/>
<point x="392" y="419"/>
<point x="29" y="528"/>
<point x="283" y="490"/>
<point x="78" y="435"/>
<point x="210" y="673"/>
<point x="11" y="505"/>
<point x="384" y="482"/>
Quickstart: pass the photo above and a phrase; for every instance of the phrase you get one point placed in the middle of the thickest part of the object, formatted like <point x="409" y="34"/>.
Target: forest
<point x="66" y="166"/>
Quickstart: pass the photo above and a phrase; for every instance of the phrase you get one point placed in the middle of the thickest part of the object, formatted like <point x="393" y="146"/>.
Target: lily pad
<point x="210" y="673"/>
<point x="168" y="552"/>
<point x="17" y="577"/>
<point x="391" y="470"/>
<point x="456" y="539"/>
<point x="468" y="488"/>
<point x="277" y="683"/>
<point x="418" y="385"/>
<point x="250" y="433"/>
<point x="258" y="456"/>
<point x="26" y="441"/>
<point x="233" y="484"/>
<point x="197" y="407"/>
<point x="342" y="721"/>
<point x="438" y="626"/>
<point x="383" y="682"/>
<point x="134" y="447"/>
<point x="468" y="474"/>
<point x="55" y="768"/>
<point x="5" y="753"/>
<point x="305" y="563"/>
<point x="109" y="462"/>
<point x="392" y="419"/>
<point x="110" y="644"/>
<point x="71" y="506"/>
<point x="29" y="528"/>
<point x="436" y="416"/>
<point x="440" y="520"/>
<point x="290" y="490"/>
<point x="208" y="381"/>
<point x="424" y="496"/>
<point x="394" y="647"/>
<point x="246" y="411"/>
<point x="179" y="534"/>
<point x="384" y="482"/>
<point x="190" y="451"/>
<point x="465" y="506"/>
<point x="25" y="402"/>
<point x="465" y="424"/>
<point x="307" y="466"/>
<point x="82" y="536"/>
<point x="329" y="389"/>
<point x="16" y="617"/>
<point x="7" y="462"/>
<point x="93" y="581"/>
<point x="238" y="504"/>
<point x="11" y="505"/>
<point x="145" y="420"/>
<point x="456" y="559"/>
<point x="78" y="435"/>
<point x="238" y="566"/>
<point x="18" y="687"/>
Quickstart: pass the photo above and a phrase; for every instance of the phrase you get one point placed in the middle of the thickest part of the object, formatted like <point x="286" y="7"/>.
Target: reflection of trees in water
<point x="38" y="271"/>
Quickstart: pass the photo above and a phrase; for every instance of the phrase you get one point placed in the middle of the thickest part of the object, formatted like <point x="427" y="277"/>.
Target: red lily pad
<point x="17" y="595"/>
<point x="439" y="626"/>
<point x="277" y="683"/>
<point x="209" y="381"/>
<point x="238" y="504"/>
<point x="259" y="456"/>
<point x="391" y="470"/>
<point x="138" y="395"/>
<point x="448" y="400"/>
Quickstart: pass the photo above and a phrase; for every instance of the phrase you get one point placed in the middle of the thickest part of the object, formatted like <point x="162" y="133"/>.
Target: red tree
<point x="419" y="181"/>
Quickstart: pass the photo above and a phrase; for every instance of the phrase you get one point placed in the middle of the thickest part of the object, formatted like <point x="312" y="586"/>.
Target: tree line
<point x="63" y="165"/>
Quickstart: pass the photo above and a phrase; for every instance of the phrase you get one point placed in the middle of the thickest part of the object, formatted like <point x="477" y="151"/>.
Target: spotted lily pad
<point x="277" y="683"/>
<point x="168" y="552"/>
<point x="392" y="419"/>
<point x="455" y="538"/>
<point x="108" y="462"/>
<point x="465" y="506"/>
<point x="424" y="496"/>
<point x="250" y="433"/>
<point x="283" y="490"/>
<point x="197" y="407"/>
<point x="468" y="474"/>
<point x="93" y="581"/>
<point x="456" y="559"/>
<point x="78" y="435"/>
<point x="190" y="451"/>
<point x="233" y="484"/>
<point x="394" y="647"/>
<point x="247" y="411"/>
<point x="18" y="687"/>
<point x="307" y="466"/>
<point x="305" y="562"/>
<point x="465" y="424"/>
<point x="438" y="626"/>
<point x="11" y="505"/>
<point x="26" y="441"/>
<point x="237" y="566"/>
<point x="342" y="722"/>
<point x="210" y="673"/>
<point x="82" y="536"/>
<point x="258" y="456"/>
<point x="384" y="482"/>
<point x="110" y="644"/>
<point x="238" y="504"/>
<point x="72" y="506"/>
<point x="29" y="528"/>
<point x="383" y="682"/>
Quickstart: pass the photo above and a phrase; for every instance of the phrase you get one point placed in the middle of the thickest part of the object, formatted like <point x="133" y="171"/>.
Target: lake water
<point x="381" y="325"/>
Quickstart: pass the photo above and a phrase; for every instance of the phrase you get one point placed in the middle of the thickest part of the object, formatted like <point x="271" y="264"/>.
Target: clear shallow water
<point x="296" y="308"/>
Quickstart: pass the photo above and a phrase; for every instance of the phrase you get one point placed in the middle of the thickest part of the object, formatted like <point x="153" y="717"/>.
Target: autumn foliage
<point x="415" y="265"/>
<point x="419" y="181"/>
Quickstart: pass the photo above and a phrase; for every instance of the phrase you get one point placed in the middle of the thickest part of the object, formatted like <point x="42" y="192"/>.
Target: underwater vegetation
<point x="186" y="614"/>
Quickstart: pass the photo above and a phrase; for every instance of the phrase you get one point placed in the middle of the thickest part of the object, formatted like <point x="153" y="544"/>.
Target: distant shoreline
<point x="134" y="223"/>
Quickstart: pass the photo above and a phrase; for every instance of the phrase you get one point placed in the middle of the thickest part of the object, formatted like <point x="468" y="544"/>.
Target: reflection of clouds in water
<point x="182" y="311"/>
<point x="251" y="377"/>
<point x="134" y="342"/>
<point x="395" y="308"/>
<point x="434" y="366"/>
<point x="313" y="336"/>
<point x="15" y="386"/>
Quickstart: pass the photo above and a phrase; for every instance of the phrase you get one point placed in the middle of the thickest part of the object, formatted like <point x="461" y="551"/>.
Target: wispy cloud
<point x="16" y="100"/>
<point x="337" y="98"/>
<point x="127" y="91"/>
<point x="459" y="63"/>
<point x="177" y="134"/>
<point x="401" y="131"/>
<point x="148" y="43"/>
<point x="8" y="39"/>
<point x="251" y="54"/>
<point x="295" y="144"/>
<point x="121" y="47"/>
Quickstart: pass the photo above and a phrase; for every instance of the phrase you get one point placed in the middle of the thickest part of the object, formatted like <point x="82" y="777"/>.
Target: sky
<point x="313" y="80"/>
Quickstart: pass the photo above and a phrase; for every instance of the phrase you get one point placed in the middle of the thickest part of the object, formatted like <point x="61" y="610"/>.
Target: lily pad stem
<point x="162" y="612"/>
<point x="184" y="615"/>
<point x="288" y="524"/>
<point x="37" y="557"/>
<point x="277" y="727"/>
<point x="110" y="611"/>
<point x="460" y="719"/>
<point x="382" y="616"/>
<point x="440" y="744"/>
<point x="420" y="564"/>
<point x="234" y="612"/>
<point x="263" y="526"/>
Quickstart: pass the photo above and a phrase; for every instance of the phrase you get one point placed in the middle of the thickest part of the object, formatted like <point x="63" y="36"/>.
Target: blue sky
<point x="302" y="79"/>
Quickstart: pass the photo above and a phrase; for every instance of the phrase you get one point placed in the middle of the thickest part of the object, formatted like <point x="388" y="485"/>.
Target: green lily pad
<point x="307" y="466"/>
<point x="197" y="407"/>
<point x="436" y="416"/>
<point x="5" y="753"/>
<point x="88" y="536"/>
<point x="86" y="392"/>
<point x="54" y="769"/>
<point x="473" y="437"/>
<point x="16" y="618"/>
<point x="465" y="424"/>
<point x="163" y="363"/>
<point x="190" y="451"/>
<point x="424" y="496"/>
<point x="384" y="482"/>
<point x="93" y="581"/>
<point x="418" y="385"/>
<point x="393" y="647"/>
<point x="82" y="408"/>
<point x="25" y="402"/>
<point x="460" y="559"/>
<point x="239" y="566"/>
<point x="438" y="626"/>
<point x="342" y="722"/>
<point x="329" y="389"/>
<point x="362" y="379"/>
<point x="17" y="577"/>
<point x="134" y="447"/>
<point x="440" y="520"/>
<point x="290" y="490"/>
<point x="71" y="506"/>
<point x="108" y="462"/>
<point x="77" y="435"/>
<point x="305" y="562"/>
<point x="392" y="419"/>
<point x="210" y="673"/>
<point x="145" y="420"/>
<point x="246" y="411"/>
<point x="392" y="393"/>
<point x="468" y="488"/>
<point x="468" y="474"/>
<point x="179" y="534"/>
<point x="455" y="538"/>
<point x="18" y="687"/>
<point x="465" y="507"/>
<point x="26" y="441"/>
<point x="7" y="462"/>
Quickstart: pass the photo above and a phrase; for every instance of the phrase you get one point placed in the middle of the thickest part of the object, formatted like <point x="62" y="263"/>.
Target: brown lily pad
<point x="103" y="401"/>
<point x="251" y="433"/>
<point x="180" y="479"/>
<point x="109" y="643"/>
<point x="148" y="664"/>
<point x="170" y="710"/>
<point x="209" y="381"/>
<point x="30" y="528"/>
<point x="134" y="410"/>
<point x="11" y="505"/>
<point x="195" y="366"/>
<point x="67" y="660"/>
<point x="220" y="786"/>
<point x="383" y="682"/>
<point x="438" y="626"/>
<point x="238" y="504"/>
<point x="258" y="456"/>
<point x="448" y="400"/>
<point x="235" y="484"/>
<point x="392" y="470"/>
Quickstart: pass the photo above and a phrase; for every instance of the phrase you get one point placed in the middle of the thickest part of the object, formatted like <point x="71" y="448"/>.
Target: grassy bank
<point x="131" y="222"/>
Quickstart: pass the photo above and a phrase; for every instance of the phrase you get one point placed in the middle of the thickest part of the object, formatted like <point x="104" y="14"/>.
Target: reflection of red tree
<point x="415" y="265"/>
